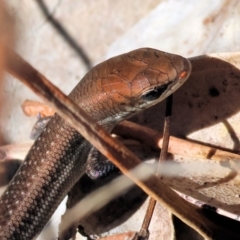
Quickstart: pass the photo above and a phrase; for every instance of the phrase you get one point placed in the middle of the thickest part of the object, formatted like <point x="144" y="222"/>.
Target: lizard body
<point x="112" y="91"/>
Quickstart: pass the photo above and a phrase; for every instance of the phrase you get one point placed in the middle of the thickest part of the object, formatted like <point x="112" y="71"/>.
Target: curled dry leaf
<point x="33" y="108"/>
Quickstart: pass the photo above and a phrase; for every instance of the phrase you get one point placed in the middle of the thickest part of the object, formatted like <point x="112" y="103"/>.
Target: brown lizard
<point x="112" y="91"/>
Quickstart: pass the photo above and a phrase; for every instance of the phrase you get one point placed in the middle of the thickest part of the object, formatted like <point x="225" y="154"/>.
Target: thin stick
<point x="183" y="147"/>
<point x="163" y="156"/>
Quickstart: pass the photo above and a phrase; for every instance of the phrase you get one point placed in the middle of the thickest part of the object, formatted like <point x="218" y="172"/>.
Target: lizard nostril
<point x="185" y="71"/>
<point x="182" y="75"/>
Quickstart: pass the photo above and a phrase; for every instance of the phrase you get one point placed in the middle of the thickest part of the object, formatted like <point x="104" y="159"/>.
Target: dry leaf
<point x="33" y="108"/>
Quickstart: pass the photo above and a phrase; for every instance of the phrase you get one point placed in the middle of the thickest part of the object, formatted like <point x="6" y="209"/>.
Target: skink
<point x="112" y="91"/>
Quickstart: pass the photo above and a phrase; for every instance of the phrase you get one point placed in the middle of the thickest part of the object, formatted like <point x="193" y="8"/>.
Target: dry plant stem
<point x="64" y="34"/>
<point x="162" y="158"/>
<point x="178" y="146"/>
<point x="6" y="39"/>
<point x="14" y="151"/>
<point x="111" y="148"/>
<point x="147" y="136"/>
<point x="166" y="131"/>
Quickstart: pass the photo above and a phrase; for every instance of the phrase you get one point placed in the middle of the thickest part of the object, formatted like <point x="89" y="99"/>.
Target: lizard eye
<point x="154" y="93"/>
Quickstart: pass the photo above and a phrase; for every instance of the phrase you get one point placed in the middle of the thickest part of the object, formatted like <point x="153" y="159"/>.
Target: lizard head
<point x="124" y="85"/>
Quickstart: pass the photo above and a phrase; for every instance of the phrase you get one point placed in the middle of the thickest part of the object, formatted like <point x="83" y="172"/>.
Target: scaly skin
<point x="112" y="91"/>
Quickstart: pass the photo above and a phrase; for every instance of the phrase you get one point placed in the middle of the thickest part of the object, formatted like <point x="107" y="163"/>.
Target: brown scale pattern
<point x="53" y="164"/>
